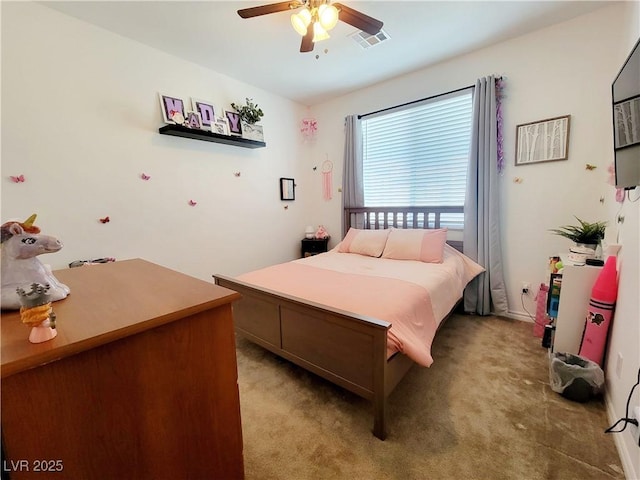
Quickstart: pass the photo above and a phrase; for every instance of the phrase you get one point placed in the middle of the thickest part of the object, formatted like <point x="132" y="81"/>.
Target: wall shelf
<point x="182" y="131"/>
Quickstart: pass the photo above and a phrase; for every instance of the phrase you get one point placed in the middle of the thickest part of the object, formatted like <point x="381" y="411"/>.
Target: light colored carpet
<point x="483" y="410"/>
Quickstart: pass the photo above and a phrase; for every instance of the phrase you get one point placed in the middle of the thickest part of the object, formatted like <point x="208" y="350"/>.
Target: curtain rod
<point x="415" y="101"/>
<point x="418" y="101"/>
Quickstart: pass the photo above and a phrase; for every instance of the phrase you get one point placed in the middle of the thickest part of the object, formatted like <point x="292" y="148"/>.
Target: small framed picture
<point x="287" y="189"/>
<point x="220" y="126"/>
<point x="626" y="122"/>
<point x="233" y="118"/>
<point x="252" y="132"/>
<point x="543" y="141"/>
<point x="206" y="110"/>
<point x="173" y="110"/>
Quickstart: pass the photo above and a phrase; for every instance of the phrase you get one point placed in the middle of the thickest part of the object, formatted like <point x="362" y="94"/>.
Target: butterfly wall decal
<point x="144" y="176"/>
<point x="105" y="220"/>
<point x="237" y="174"/>
<point x="193" y="203"/>
<point x="18" y="179"/>
<point x="588" y="166"/>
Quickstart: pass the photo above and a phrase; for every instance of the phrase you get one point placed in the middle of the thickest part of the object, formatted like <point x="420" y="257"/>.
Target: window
<point x="417" y="154"/>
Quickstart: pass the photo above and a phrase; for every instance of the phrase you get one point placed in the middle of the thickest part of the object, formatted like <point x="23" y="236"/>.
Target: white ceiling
<point x="264" y="51"/>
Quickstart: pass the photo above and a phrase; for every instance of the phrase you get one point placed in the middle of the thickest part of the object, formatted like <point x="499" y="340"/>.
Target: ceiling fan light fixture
<point x="328" y="16"/>
<point x="315" y="18"/>
<point x="319" y="33"/>
<point x="300" y="21"/>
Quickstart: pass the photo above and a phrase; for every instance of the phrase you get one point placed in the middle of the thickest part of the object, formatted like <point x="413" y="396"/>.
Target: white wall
<point x="625" y="330"/>
<point x="564" y="69"/>
<point x="80" y="118"/>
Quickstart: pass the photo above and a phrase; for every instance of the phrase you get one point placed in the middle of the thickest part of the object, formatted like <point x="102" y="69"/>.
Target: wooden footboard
<point x="347" y="349"/>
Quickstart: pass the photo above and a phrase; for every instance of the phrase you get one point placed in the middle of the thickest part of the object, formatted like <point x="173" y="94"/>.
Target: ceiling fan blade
<point x="307" y="41"/>
<point x="358" y="19"/>
<point x="270" y="8"/>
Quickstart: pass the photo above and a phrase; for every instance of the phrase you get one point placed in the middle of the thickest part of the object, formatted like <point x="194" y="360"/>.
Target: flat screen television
<point x="625" y="92"/>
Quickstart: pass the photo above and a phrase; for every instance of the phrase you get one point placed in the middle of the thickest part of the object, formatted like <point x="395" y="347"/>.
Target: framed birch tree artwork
<point x="543" y="141"/>
<point x="626" y="122"/>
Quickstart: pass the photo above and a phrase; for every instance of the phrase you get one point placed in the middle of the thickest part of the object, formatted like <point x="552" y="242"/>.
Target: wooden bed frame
<point x="348" y="349"/>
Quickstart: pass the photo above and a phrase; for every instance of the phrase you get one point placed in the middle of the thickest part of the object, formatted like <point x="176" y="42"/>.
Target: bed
<point x="363" y="313"/>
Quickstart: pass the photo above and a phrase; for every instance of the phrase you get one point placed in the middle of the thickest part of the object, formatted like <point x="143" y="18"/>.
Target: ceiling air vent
<point x="366" y="40"/>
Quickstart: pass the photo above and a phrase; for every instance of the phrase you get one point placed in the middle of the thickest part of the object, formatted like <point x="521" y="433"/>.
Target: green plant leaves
<point x="250" y="112"/>
<point x="585" y="232"/>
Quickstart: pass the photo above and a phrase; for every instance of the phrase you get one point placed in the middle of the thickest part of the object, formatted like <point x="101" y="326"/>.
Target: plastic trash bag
<point x="575" y="377"/>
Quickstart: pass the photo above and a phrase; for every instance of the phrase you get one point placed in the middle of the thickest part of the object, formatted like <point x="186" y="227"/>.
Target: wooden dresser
<point x="141" y="381"/>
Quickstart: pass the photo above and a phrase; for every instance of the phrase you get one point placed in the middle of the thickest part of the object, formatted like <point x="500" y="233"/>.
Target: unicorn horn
<point x="29" y="221"/>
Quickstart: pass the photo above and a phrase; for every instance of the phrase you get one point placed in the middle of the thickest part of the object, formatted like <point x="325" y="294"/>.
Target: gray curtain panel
<point x="487" y="293"/>
<point x="352" y="184"/>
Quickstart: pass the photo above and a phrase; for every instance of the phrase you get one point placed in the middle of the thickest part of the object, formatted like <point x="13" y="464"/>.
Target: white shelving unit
<point x="577" y="282"/>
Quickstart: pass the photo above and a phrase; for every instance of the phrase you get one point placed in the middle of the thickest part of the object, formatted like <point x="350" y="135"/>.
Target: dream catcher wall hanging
<point x="327" y="179"/>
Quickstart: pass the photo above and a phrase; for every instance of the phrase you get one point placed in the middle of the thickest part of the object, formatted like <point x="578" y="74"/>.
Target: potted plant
<point x="586" y="237"/>
<point x="250" y="114"/>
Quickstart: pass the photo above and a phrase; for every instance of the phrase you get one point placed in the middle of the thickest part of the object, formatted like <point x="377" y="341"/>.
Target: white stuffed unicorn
<point x="21" y="244"/>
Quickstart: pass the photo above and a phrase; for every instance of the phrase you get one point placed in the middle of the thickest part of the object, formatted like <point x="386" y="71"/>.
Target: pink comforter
<point x="405" y="305"/>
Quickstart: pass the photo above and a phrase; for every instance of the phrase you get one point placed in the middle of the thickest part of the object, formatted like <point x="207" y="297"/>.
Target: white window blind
<point x="417" y="155"/>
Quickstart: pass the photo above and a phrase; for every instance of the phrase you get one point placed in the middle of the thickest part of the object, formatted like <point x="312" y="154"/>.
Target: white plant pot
<point x="252" y="131"/>
<point x="580" y="252"/>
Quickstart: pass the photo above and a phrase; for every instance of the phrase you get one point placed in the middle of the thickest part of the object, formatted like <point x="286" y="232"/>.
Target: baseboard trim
<point x="623" y="453"/>
<point x="518" y="316"/>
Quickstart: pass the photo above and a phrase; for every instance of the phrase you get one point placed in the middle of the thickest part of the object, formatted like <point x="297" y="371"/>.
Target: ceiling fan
<point x="316" y="19"/>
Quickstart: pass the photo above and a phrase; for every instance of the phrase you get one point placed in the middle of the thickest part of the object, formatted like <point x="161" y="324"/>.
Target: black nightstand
<point x="313" y="246"/>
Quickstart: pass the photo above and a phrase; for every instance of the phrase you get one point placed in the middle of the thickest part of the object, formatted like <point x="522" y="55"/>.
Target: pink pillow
<point x="416" y="244"/>
<point x="364" y="242"/>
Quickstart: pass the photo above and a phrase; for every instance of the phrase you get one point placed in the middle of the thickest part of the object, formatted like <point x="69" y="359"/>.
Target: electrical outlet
<point x="635" y="430"/>
<point x="526" y="287"/>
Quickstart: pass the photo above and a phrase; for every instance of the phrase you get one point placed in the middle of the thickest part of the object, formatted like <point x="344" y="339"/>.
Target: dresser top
<point x="108" y="302"/>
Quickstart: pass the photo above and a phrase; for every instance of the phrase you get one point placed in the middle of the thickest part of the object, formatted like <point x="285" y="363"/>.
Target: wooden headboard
<point x="374" y="218"/>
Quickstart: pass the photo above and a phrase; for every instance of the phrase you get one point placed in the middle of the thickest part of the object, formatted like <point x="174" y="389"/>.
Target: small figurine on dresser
<point x="37" y="313"/>
<point x="21" y="244"/>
